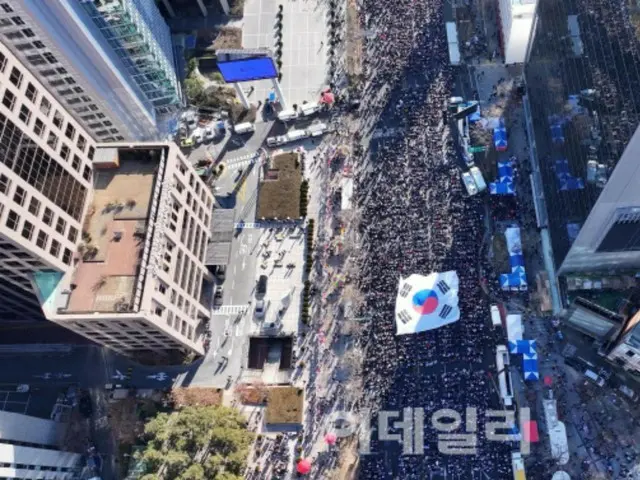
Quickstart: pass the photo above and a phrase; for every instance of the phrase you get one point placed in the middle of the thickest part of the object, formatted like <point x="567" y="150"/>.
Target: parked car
<point x="221" y="272"/>
<point x="260" y="308"/>
<point x="209" y="133"/>
<point x="217" y="297"/>
<point x="186" y="142"/>
<point x="262" y="285"/>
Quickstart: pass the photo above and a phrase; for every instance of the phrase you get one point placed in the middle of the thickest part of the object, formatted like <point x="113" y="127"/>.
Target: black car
<point x="262" y="285"/>
<point x="221" y="272"/>
<point x="217" y="297"/>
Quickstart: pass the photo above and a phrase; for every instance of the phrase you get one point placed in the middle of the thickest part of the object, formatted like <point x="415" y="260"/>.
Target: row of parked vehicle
<point x="314" y="130"/>
<point x="304" y="110"/>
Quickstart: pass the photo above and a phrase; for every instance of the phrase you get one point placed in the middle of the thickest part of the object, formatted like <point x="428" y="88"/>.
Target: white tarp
<point x="427" y="302"/>
<point x="557" y="432"/>
<point x="347" y="193"/>
<point x="514" y="327"/>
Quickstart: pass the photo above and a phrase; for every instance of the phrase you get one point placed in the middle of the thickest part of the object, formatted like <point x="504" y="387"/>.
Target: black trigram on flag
<point x="445" y="311"/>
<point x="442" y="286"/>
<point x="404" y="291"/>
<point x="404" y="317"/>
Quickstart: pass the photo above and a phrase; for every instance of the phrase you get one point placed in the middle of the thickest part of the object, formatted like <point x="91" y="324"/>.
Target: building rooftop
<point x="114" y="230"/>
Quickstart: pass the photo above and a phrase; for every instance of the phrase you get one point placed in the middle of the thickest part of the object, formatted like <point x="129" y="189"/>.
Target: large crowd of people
<point x="417" y="219"/>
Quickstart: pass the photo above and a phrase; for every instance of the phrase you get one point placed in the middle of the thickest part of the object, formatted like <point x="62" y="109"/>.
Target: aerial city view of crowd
<point x="416" y="219"/>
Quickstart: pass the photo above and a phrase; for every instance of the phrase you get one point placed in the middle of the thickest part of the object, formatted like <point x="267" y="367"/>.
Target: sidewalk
<point x="304" y="50"/>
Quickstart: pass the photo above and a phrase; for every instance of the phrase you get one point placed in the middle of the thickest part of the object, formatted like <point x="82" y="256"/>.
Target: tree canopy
<point x="196" y="443"/>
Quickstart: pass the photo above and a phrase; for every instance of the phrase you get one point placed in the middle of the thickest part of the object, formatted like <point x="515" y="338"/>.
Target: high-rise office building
<point x="516" y="27"/>
<point x="110" y="62"/>
<point x="139" y="281"/>
<point x="610" y="236"/>
<point x="583" y="84"/>
<point x="45" y="181"/>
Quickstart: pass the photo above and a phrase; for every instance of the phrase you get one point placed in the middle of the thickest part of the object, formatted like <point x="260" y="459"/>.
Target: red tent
<point x="327" y="97"/>
<point x="531" y="431"/>
<point x="330" y="438"/>
<point x="304" y="466"/>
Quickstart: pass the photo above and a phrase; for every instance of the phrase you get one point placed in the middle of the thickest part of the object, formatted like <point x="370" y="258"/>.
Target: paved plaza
<point x="304" y="52"/>
<point x="282" y="260"/>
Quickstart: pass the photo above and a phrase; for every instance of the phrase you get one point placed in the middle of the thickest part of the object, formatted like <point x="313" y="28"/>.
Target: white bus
<point x="504" y="376"/>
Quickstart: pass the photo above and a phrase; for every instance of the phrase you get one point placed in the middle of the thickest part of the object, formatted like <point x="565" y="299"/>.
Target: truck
<point x="496" y="320"/>
<point x="314" y="130"/>
<point x="517" y="465"/>
<point x="469" y="184"/>
<point x="478" y="178"/>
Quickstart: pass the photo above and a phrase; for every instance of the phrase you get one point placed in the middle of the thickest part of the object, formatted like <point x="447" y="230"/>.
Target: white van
<point x="276" y="141"/>
<point x="594" y="377"/>
<point x="478" y="178"/>
<point x="317" y="129"/>
<point x="307" y="109"/>
<point x="287" y="115"/>
<point x="246" y="127"/>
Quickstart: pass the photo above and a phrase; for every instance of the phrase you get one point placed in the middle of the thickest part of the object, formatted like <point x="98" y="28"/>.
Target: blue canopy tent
<point x="500" y="136"/>
<point x="517" y="278"/>
<point x="502" y="188"/>
<point x="504" y="184"/>
<point x="530" y="366"/>
<point x="566" y="181"/>
<point x="528" y="350"/>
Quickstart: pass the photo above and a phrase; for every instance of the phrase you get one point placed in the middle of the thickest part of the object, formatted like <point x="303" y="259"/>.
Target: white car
<point x="209" y="133"/>
<point x="197" y="136"/>
<point x="275" y="141"/>
<point x="260" y="308"/>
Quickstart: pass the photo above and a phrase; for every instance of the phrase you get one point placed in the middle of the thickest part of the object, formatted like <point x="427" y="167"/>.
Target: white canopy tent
<point x="427" y="302"/>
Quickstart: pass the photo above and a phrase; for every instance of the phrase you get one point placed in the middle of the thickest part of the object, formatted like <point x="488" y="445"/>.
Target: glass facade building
<point x="583" y="83"/>
<point x="138" y="34"/>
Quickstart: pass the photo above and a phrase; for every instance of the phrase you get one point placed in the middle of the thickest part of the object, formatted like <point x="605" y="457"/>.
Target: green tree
<point x="192" y="65"/>
<point x="197" y="443"/>
<point x="194" y="472"/>
<point x="150" y="476"/>
<point x="194" y="88"/>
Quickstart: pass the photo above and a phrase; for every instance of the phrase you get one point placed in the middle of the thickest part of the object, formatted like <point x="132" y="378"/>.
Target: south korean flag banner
<point x="427" y="302"/>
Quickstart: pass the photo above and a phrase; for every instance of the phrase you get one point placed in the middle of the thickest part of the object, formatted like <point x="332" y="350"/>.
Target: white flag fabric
<point x="425" y="303"/>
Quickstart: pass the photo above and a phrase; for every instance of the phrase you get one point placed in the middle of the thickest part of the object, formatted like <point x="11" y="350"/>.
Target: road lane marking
<point x="229" y="309"/>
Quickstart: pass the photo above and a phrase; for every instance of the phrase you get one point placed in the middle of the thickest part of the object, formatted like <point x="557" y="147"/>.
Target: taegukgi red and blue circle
<point x="425" y="301"/>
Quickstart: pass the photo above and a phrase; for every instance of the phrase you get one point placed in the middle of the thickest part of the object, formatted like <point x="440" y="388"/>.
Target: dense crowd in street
<point x="416" y="219"/>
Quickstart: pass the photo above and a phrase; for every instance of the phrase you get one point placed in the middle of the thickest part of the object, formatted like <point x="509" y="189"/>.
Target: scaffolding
<point x="140" y="37"/>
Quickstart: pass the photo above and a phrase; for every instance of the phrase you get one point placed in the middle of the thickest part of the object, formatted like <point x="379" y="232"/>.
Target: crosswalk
<point x="247" y="225"/>
<point x="242" y="161"/>
<point x="229" y="309"/>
